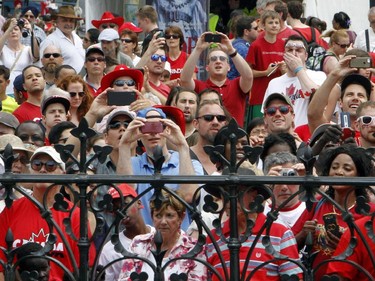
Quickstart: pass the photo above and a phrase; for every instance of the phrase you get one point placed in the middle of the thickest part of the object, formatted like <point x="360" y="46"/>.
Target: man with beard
<point x="187" y="101"/>
<point x="210" y="118"/>
<point x="51" y="60"/>
<point x="64" y="37"/>
<point x="34" y="84"/>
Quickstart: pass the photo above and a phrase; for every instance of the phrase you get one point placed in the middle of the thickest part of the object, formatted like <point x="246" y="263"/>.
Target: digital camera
<point x="287" y="172"/>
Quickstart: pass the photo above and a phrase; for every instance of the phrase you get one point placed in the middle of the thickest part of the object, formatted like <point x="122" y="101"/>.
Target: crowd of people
<point x="148" y="98"/>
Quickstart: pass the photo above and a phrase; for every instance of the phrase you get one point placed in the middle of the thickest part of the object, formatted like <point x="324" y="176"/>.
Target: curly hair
<point x="361" y="159"/>
<point x="87" y="99"/>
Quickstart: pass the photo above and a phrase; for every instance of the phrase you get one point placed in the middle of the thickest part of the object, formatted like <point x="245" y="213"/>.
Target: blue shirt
<point x="242" y="47"/>
<point x="141" y="166"/>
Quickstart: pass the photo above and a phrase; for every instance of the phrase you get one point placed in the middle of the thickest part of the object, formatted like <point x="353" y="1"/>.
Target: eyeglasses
<point x="210" y="117"/>
<point x="172" y="36"/>
<point x="99" y="59"/>
<point x="48" y="55"/>
<point x="271" y="111"/>
<point x="126" y="40"/>
<point x="117" y="124"/>
<point x="215" y="58"/>
<point x="366" y="120"/>
<point x="111" y="25"/>
<point x="156" y="57"/>
<point x="23" y="159"/>
<point x="121" y="83"/>
<point x="74" y="94"/>
<point x="343" y="46"/>
<point x="50" y="165"/>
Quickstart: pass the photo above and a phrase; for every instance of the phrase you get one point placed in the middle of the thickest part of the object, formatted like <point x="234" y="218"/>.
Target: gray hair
<point x="278" y="158"/>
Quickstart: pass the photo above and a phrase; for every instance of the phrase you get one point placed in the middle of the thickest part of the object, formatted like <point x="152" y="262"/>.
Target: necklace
<point x="351" y="207"/>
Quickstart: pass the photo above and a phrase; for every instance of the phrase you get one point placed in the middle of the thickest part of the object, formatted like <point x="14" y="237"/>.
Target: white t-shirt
<point x="291" y="87"/>
<point x="289" y="216"/>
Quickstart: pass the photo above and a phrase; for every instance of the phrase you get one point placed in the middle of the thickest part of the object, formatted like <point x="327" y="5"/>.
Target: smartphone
<point x="345" y="125"/>
<point x="152" y="128"/>
<point x="330" y="224"/>
<point x="121" y="98"/>
<point x="361" y="63"/>
<point x="209" y="37"/>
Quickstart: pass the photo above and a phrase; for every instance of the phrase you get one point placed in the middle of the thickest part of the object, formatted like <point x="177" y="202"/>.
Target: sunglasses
<point x="111" y="25"/>
<point x="343" y="46"/>
<point x="29" y="16"/>
<point x="210" y="117"/>
<point x="121" y="83"/>
<point x="74" y="94"/>
<point x="48" y="55"/>
<point x="34" y="138"/>
<point x="366" y="120"/>
<point x="156" y="57"/>
<point x="126" y="40"/>
<point x="50" y="165"/>
<point x="117" y="124"/>
<point x="99" y="59"/>
<point x="23" y="159"/>
<point x="221" y="58"/>
<point x="171" y="36"/>
<point x="271" y="111"/>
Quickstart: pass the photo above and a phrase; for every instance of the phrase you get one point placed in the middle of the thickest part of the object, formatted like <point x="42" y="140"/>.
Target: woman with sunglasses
<point x="338" y="44"/>
<point x="129" y="44"/>
<point x="176" y="57"/>
<point x="80" y="96"/>
<point x="13" y="54"/>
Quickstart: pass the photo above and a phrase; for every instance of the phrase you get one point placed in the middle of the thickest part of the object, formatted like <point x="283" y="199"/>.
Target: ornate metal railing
<point x="309" y="188"/>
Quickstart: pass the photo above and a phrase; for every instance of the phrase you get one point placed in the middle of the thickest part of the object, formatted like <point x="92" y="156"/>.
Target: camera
<point x="21" y="23"/>
<point x="286" y="172"/>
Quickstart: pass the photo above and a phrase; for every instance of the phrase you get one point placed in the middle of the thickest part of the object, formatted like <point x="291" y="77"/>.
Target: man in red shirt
<point x="34" y="84"/>
<point x="233" y="92"/>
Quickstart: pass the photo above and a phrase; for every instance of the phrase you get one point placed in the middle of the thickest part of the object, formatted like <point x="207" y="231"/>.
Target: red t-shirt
<point x="261" y="54"/>
<point x="234" y="99"/>
<point x="360" y="254"/>
<point x="27" y="225"/>
<point x="27" y="111"/>
<point x="178" y="64"/>
<point x="303" y="132"/>
<point x="162" y="88"/>
<point x="317" y="212"/>
<point x="306" y="32"/>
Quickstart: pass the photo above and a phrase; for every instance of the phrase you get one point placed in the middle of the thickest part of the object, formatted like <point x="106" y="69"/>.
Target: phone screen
<point x="121" y="98"/>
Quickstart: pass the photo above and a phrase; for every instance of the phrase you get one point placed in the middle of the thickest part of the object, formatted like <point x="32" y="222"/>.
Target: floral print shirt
<point x="142" y="246"/>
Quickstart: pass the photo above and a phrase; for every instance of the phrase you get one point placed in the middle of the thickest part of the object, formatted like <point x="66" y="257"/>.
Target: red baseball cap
<point x="174" y="113"/>
<point x="125" y="189"/>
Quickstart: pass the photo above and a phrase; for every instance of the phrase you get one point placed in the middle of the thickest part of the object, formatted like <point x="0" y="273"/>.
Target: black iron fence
<point x="84" y="199"/>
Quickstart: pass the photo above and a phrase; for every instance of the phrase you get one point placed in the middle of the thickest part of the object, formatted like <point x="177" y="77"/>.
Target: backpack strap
<point x="367" y="41"/>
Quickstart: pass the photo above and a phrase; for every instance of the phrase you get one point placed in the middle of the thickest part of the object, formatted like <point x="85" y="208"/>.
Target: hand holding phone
<point x="210" y="37"/>
<point x="345" y="125"/>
